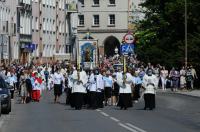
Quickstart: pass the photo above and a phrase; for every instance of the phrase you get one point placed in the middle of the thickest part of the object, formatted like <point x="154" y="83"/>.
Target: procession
<point x="96" y="88"/>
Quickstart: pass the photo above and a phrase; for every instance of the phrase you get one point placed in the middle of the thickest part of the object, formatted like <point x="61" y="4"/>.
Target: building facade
<point x="106" y="20"/>
<point x="4" y="30"/>
<point x="49" y="28"/>
<point x="24" y="32"/>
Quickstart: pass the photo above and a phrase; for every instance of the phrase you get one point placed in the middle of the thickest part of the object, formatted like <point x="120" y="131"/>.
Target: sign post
<point x="127" y="48"/>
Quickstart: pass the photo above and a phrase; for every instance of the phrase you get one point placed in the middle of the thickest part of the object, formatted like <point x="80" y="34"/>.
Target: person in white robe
<point x="92" y="91"/>
<point x="78" y="89"/>
<point x="100" y="90"/>
<point x="150" y="84"/>
<point x="125" y="91"/>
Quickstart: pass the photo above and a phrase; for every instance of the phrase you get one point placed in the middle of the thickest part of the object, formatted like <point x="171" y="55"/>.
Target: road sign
<point x="127" y="48"/>
<point x="129" y="39"/>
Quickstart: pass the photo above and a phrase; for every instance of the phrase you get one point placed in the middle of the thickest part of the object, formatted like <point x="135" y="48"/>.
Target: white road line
<point x="103" y="113"/>
<point x="126" y="127"/>
<point x="137" y="128"/>
<point x="98" y="110"/>
<point x="2" y="118"/>
<point x="114" y="119"/>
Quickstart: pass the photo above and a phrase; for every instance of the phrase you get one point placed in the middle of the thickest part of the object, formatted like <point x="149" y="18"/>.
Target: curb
<point x="194" y="96"/>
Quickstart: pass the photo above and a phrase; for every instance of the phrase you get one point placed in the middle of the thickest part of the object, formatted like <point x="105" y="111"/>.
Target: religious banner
<point x="88" y="53"/>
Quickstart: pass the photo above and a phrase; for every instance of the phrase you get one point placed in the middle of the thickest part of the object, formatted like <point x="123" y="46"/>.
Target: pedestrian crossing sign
<point x="127" y="48"/>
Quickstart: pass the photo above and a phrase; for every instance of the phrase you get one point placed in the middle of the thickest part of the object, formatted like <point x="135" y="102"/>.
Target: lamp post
<point x="186" y="39"/>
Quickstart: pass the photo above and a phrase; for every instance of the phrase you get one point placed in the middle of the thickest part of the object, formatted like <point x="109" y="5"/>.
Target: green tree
<point x="161" y="35"/>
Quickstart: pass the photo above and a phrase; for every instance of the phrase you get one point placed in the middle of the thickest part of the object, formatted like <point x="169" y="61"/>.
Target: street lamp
<point x="186" y="43"/>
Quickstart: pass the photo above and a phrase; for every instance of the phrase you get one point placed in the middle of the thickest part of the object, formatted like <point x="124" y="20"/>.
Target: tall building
<point x="8" y="18"/>
<point x="49" y="28"/>
<point x="4" y="30"/>
<point x="24" y="33"/>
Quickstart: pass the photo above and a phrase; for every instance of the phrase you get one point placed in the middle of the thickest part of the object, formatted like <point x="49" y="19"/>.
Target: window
<point x="112" y="2"/>
<point x="68" y="49"/>
<point x="54" y="26"/>
<point x="112" y="19"/>
<point x="82" y="2"/>
<point x="36" y="23"/>
<point x="60" y="4"/>
<point x="44" y="24"/>
<point x="96" y="2"/>
<point x="33" y="24"/>
<point x="60" y="27"/>
<point x="96" y="20"/>
<point x="81" y="20"/>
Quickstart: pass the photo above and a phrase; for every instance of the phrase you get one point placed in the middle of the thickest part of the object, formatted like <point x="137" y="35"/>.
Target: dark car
<point x="5" y="96"/>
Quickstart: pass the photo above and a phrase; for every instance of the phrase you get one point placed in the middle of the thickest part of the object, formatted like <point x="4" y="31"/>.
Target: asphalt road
<point x="174" y="113"/>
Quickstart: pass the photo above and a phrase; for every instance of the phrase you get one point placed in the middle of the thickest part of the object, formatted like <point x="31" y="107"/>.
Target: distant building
<point x="106" y="20"/>
<point x="49" y="30"/>
<point x="5" y="30"/>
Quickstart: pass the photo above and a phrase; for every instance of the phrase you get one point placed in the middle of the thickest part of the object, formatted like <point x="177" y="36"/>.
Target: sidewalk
<point x="194" y="93"/>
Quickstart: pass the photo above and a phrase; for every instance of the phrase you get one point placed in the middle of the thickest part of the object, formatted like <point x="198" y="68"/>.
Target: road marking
<point x="98" y="110"/>
<point x="103" y="113"/>
<point x="137" y="128"/>
<point x="3" y="117"/>
<point x="126" y="127"/>
<point x="114" y="119"/>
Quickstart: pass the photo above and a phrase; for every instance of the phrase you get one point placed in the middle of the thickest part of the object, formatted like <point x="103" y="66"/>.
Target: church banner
<point x="88" y="53"/>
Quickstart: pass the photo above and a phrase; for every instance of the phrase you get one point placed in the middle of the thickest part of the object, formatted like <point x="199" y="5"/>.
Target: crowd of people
<point x="99" y="87"/>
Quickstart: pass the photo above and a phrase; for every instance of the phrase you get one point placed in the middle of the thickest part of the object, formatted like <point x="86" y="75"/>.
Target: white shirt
<point x="108" y="82"/>
<point x="164" y="73"/>
<point x="57" y="78"/>
<point x="92" y="81"/>
<point x="127" y="88"/>
<point x="150" y="83"/>
<point x="100" y="83"/>
<point x="80" y="88"/>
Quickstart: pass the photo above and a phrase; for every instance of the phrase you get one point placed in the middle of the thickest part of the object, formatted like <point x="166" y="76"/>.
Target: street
<point x="174" y="113"/>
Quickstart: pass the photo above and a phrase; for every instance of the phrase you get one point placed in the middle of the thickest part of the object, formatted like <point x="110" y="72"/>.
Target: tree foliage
<point x="161" y="35"/>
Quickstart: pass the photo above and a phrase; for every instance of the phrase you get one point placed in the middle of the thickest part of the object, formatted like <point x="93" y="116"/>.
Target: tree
<point x="161" y="35"/>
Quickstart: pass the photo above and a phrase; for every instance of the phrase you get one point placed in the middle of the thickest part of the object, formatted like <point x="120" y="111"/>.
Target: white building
<point x="49" y="28"/>
<point x="106" y="20"/>
<point x="5" y="20"/>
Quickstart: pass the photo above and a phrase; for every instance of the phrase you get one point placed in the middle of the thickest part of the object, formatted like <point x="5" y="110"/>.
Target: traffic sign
<point x="127" y="48"/>
<point x="129" y="39"/>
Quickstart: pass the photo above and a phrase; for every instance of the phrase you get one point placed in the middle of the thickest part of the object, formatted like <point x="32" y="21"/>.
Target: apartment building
<point x="49" y="28"/>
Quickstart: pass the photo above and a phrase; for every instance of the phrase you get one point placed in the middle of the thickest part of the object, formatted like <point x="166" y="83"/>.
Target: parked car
<point x="5" y="96"/>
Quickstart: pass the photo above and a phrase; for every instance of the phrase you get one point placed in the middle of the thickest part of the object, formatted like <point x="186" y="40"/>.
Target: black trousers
<point x="100" y="98"/>
<point x="125" y="100"/>
<point x="68" y="94"/>
<point x="149" y="101"/>
<point x="77" y="100"/>
<point x="136" y="94"/>
<point x="93" y="100"/>
<point x="12" y="93"/>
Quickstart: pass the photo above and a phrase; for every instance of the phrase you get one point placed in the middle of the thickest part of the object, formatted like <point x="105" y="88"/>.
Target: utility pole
<point x="186" y="39"/>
